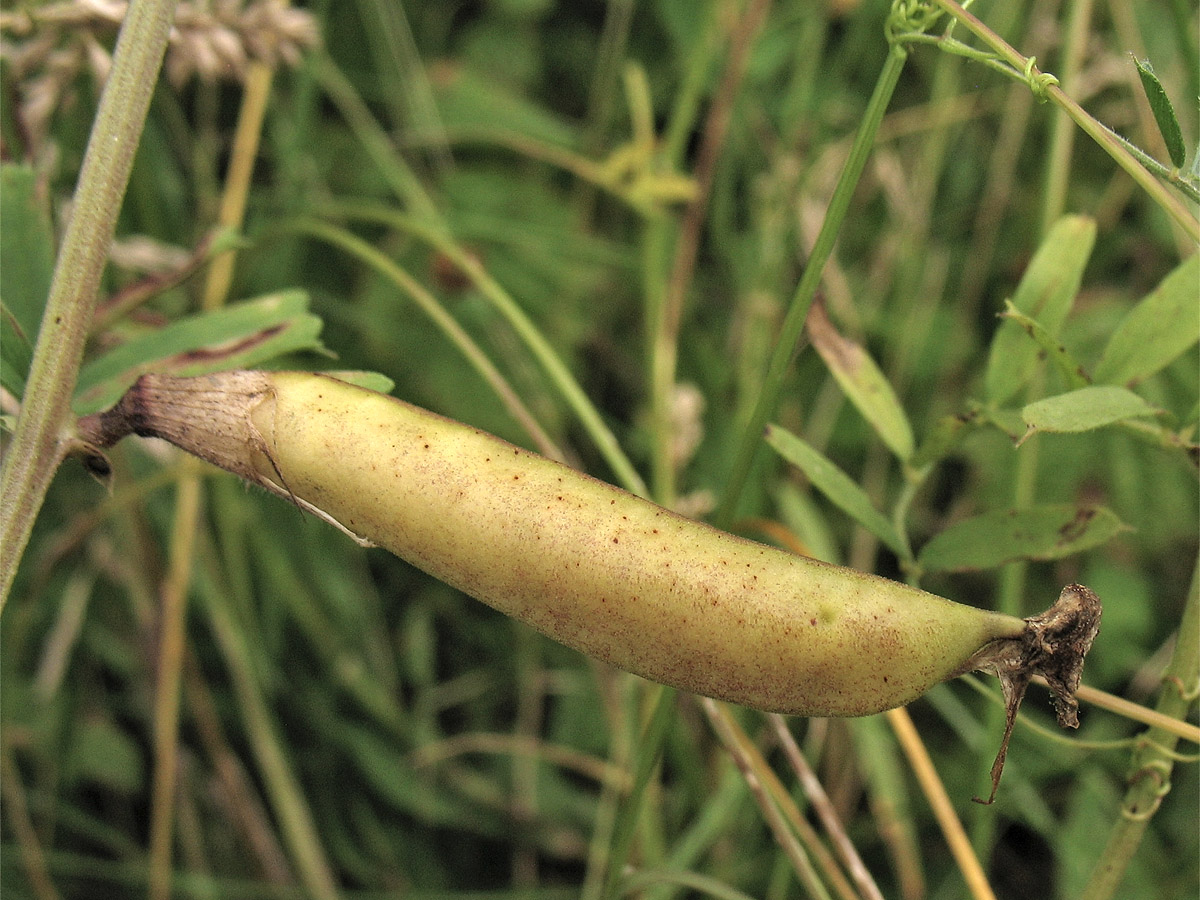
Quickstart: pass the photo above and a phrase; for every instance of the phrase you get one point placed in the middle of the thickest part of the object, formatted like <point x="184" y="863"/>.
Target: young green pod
<point x="587" y="564"/>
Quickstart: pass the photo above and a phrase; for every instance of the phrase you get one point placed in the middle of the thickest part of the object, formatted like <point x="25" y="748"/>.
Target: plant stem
<point x="793" y="323"/>
<point x="1108" y="141"/>
<point x="1150" y="770"/>
<point x="1062" y="137"/>
<point x="943" y="810"/>
<point x="41" y="439"/>
<point x="665" y="330"/>
<point x="173" y="596"/>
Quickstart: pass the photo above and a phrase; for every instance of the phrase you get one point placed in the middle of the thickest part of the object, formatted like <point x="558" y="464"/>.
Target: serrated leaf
<point x="1071" y="371"/>
<point x="836" y="485"/>
<point x="1085" y="410"/>
<point x="1157" y="330"/>
<point x="239" y="336"/>
<point x="862" y="382"/>
<point x="1046" y="292"/>
<point x="1164" y="113"/>
<point x="1050" y="531"/>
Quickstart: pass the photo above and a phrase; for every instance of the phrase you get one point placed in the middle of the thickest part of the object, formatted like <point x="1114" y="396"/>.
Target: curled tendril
<point x="910" y="17"/>
<point x="1188" y="694"/>
<point x="1039" y="82"/>
<point x="1159" y="772"/>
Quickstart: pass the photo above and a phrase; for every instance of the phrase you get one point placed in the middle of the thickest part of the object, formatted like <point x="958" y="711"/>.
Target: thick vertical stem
<point x="1150" y="771"/>
<point x="39" y="442"/>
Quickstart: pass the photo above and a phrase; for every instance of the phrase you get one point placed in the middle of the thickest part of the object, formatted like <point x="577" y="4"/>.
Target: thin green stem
<point x="42" y="433"/>
<point x="1062" y="135"/>
<point x="793" y="323"/>
<point x="373" y="137"/>
<point x="556" y="370"/>
<point x="282" y="788"/>
<point x="1115" y="148"/>
<point x="662" y="717"/>
<point x="666" y="329"/>
<point x="385" y="266"/>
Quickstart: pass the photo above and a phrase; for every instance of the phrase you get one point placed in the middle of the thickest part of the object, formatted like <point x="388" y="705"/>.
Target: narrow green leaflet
<point x="836" y="485"/>
<point x="239" y="336"/>
<point x="372" y="381"/>
<point x="1084" y="410"/>
<point x="1164" y="113"/>
<point x="1071" y="371"/>
<point x="16" y="353"/>
<point x="27" y="264"/>
<point x="1050" y="531"/>
<point x="1045" y="293"/>
<point x="862" y="382"/>
<point x="1162" y="325"/>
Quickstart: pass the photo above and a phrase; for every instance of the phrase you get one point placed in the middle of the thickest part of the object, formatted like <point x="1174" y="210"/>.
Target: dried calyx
<point x="1054" y="646"/>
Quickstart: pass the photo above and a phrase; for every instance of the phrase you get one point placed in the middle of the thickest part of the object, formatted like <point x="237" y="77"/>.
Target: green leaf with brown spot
<point x="1050" y="531"/>
<point x="240" y="336"/>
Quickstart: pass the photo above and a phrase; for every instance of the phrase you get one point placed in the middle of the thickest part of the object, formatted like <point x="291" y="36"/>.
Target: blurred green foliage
<point x="442" y="750"/>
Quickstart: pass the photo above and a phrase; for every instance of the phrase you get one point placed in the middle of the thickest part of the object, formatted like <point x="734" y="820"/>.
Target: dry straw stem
<point x="188" y="503"/>
<point x="825" y="811"/>
<point x="760" y="779"/>
<point x="939" y="800"/>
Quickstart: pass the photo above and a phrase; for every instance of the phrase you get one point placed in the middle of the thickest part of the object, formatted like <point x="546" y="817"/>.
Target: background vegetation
<point x="602" y="213"/>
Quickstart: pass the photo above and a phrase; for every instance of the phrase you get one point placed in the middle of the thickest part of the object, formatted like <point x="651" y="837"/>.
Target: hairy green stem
<point x="1150" y="769"/>
<point x="41" y="437"/>
<point x="793" y="323"/>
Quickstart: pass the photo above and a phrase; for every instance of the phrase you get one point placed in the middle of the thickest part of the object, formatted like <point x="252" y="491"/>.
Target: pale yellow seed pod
<point x="593" y="567"/>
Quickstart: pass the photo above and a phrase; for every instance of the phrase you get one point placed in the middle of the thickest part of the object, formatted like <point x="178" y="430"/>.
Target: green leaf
<point x="104" y="754"/>
<point x="1164" y="113"/>
<point x="1071" y="371"/>
<point x="1085" y="410"/>
<point x="1050" y="531"/>
<point x="17" y="354"/>
<point x="239" y="336"/>
<point x="27" y="264"/>
<point x="862" y="382"/>
<point x="372" y="381"/>
<point x="836" y="485"/>
<point x="1157" y="330"/>
<point x="1045" y="293"/>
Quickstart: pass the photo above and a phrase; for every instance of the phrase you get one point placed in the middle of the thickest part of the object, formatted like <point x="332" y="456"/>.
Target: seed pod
<point x="593" y="567"/>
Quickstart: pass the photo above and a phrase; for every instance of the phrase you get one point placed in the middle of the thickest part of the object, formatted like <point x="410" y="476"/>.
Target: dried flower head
<point x="48" y="47"/>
